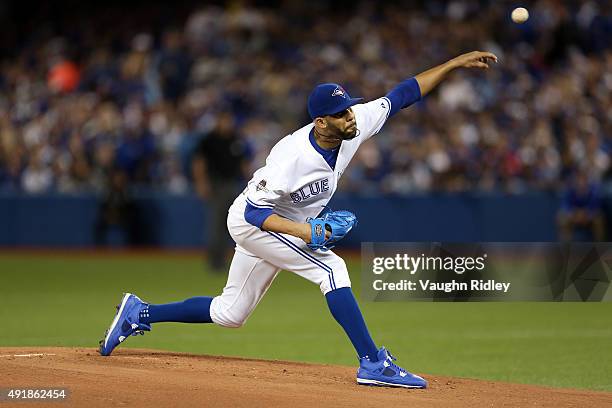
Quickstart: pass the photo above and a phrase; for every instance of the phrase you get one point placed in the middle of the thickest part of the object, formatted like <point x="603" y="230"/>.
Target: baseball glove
<point x="338" y="223"/>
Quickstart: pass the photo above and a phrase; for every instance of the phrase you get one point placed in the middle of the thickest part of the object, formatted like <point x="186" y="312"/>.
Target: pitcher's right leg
<point x="249" y="279"/>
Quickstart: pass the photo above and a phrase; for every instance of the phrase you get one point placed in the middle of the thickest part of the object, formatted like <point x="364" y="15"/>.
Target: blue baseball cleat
<point x="126" y="323"/>
<point x="385" y="373"/>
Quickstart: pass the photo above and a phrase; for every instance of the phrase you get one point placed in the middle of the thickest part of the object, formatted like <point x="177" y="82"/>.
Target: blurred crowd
<point x="132" y="92"/>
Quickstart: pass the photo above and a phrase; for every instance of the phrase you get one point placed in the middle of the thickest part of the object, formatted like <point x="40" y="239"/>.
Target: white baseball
<point x="520" y="15"/>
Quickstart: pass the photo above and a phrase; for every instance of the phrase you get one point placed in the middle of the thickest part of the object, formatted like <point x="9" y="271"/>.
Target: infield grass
<point x="61" y="300"/>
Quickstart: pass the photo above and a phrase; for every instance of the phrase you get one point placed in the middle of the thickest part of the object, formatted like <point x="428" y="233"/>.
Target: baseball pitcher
<point x="280" y="221"/>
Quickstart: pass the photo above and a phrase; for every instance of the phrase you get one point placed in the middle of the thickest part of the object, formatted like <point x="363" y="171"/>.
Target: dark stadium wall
<point x="179" y="222"/>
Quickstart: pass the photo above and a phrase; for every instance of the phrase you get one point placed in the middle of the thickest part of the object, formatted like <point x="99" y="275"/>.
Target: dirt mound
<point x="145" y="378"/>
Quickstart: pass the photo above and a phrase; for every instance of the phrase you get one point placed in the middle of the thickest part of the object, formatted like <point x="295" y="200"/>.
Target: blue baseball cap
<point x="329" y="99"/>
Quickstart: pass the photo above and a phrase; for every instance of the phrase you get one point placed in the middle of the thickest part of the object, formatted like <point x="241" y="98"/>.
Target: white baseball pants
<point x="258" y="257"/>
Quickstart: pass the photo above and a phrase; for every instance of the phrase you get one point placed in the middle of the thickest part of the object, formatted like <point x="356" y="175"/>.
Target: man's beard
<point x="344" y="135"/>
<point x="351" y="135"/>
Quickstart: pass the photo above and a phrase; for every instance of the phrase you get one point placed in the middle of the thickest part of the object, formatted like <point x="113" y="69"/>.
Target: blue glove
<point x="338" y="223"/>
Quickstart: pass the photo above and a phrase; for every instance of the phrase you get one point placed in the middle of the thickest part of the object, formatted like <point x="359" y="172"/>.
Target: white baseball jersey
<point x="296" y="181"/>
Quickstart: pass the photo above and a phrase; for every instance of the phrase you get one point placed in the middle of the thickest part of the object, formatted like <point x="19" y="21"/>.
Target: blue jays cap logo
<point x="323" y="100"/>
<point x="339" y="92"/>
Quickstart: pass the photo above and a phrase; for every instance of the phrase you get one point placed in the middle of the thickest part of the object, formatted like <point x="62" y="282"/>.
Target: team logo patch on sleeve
<point x="262" y="186"/>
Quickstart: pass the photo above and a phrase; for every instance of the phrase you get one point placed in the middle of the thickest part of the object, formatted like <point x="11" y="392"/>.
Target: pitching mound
<point x="144" y="378"/>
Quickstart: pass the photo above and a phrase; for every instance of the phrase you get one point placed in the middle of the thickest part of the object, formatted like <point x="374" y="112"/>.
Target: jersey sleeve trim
<point x="386" y="115"/>
<point x="259" y="205"/>
<point x="256" y="216"/>
<point x="388" y="111"/>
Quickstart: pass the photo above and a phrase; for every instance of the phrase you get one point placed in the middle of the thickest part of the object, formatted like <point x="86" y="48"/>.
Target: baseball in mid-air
<point x="519" y="15"/>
